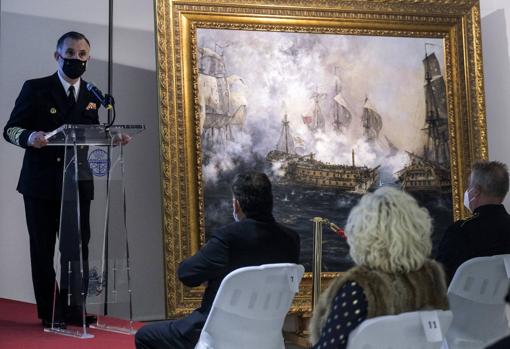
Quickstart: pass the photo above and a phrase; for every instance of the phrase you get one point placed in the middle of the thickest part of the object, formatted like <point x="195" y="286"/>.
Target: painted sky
<point x="279" y="72"/>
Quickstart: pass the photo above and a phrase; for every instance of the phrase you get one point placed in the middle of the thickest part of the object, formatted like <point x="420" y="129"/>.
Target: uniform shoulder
<point x="464" y="223"/>
<point x="39" y="82"/>
<point x="467" y="222"/>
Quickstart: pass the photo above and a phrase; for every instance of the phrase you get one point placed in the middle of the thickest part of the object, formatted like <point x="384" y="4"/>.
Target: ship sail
<point x="315" y="121"/>
<point x="220" y="108"/>
<point x="371" y="122"/>
<point x="436" y="119"/>
<point x="342" y="117"/>
<point x="286" y="142"/>
<point x="430" y="172"/>
<point x="211" y="63"/>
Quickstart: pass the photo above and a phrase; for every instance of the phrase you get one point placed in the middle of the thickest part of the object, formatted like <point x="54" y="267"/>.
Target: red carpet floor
<point x="21" y="329"/>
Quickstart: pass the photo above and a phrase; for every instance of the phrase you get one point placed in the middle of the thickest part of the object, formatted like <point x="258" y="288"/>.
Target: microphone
<point x="106" y="100"/>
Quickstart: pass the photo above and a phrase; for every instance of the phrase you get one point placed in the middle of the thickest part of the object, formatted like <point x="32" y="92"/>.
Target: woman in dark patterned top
<point x="389" y="239"/>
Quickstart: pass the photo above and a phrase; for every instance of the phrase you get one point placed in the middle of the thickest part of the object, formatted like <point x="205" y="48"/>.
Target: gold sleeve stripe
<point x="14" y="133"/>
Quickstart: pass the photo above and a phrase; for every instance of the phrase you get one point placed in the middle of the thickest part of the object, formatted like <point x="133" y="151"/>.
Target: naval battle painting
<point x="327" y="118"/>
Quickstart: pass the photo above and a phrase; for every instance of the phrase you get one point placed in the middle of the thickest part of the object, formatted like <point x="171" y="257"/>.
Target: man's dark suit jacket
<point x="252" y="241"/>
<point x="42" y="106"/>
<point x="486" y="233"/>
<point x="501" y="344"/>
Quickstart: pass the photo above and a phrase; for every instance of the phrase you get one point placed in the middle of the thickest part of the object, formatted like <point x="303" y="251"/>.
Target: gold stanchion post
<point x="301" y="337"/>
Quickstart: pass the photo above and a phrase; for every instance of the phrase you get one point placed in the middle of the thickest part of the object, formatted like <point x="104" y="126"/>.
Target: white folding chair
<point x="476" y="296"/>
<point x="250" y="307"/>
<point x="412" y="330"/>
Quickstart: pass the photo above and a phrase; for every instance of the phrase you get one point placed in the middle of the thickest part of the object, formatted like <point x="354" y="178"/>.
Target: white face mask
<point x="235" y="215"/>
<point x="467" y="200"/>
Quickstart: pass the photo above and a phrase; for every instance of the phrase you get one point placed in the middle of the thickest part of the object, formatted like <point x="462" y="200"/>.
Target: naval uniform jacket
<point x="42" y="106"/>
<point x="486" y="233"/>
<point x="253" y="241"/>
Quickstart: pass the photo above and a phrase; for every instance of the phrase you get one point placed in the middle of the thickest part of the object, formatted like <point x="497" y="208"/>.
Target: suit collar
<point x="65" y="84"/>
<point x="261" y="217"/>
<point x="489" y="209"/>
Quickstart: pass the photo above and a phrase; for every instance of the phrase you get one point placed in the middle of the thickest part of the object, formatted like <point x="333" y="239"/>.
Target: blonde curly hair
<point x="388" y="231"/>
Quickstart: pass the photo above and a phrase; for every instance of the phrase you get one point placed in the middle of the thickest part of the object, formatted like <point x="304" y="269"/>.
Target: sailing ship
<point x="422" y="175"/>
<point x="342" y="117"/>
<point x="306" y="170"/>
<point x="372" y="124"/>
<point x="221" y="108"/>
<point x="285" y="149"/>
<point x="371" y="121"/>
<point x="430" y="171"/>
<point x="315" y="121"/>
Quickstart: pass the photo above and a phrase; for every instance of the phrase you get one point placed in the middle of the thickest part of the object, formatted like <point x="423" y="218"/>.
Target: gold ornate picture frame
<point x="455" y="22"/>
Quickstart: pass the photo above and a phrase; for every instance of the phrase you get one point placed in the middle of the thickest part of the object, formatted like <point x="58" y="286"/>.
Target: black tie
<point x="71" y="100"/>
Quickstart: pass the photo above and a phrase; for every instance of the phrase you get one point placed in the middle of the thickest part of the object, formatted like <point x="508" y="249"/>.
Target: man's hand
<point x="37" y="140"/>
<point x="121" y="138"/>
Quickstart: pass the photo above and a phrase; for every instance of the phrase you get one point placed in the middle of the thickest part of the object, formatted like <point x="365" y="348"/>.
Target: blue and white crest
<point x="98" y="161"/>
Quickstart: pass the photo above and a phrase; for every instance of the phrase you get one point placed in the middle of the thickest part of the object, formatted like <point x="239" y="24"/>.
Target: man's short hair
<point x="254" y="193"/>
<point x="71" y="35"/>
<point x="491" y="177"/>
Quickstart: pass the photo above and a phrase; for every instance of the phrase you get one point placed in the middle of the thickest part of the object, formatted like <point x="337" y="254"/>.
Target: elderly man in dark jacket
<point x="487" y="231"/>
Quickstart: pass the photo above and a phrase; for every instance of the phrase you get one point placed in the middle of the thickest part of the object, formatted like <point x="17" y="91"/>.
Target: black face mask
<point x="73" y="68"/>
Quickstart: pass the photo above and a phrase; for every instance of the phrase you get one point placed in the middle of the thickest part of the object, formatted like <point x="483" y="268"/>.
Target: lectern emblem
<point x="98" y="161"/>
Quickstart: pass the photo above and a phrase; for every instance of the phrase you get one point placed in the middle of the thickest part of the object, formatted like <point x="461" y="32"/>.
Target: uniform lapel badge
<point x="91" y="106"/>
<point x="53" y="111"/>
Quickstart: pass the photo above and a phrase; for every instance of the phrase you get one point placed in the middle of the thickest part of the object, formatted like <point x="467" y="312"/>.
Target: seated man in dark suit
<point x="487" y="231"/>
<point x="254" y="239"/>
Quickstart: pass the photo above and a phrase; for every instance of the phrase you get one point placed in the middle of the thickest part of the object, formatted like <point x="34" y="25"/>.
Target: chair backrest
<point x="412" y="330"/>
<point x="476" y="296"/>
<point x="482" y="280"/>
<point x="250" y="308"/>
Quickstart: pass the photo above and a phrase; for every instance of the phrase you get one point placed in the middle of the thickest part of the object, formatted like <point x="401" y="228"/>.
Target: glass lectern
<point x="92" y="261"/>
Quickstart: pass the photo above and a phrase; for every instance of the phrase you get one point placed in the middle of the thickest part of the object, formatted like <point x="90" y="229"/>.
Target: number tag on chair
<point x="293" y="280"/>
<point x="431" y="326"/>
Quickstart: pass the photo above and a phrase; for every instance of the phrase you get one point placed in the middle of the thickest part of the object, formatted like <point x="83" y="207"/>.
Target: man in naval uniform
<point x="43" y="105"/>
<point x="487" y="231"/>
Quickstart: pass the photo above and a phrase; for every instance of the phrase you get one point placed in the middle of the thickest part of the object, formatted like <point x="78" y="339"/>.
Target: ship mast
<point x="434" y="121"/>
<point x="341" y="115"/>
<point x="336" y="121"/>
<point x="285" y="123"/>
<point x="220" y="112"/>
<point x="285" y="143"/>
<point x="318" y="118"/>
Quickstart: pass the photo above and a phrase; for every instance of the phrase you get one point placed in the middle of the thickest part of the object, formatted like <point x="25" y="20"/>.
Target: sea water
<point x="296" y="206"/>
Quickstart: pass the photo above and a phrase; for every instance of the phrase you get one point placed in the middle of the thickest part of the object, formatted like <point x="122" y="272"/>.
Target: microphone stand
<point x="111" y="111"/>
